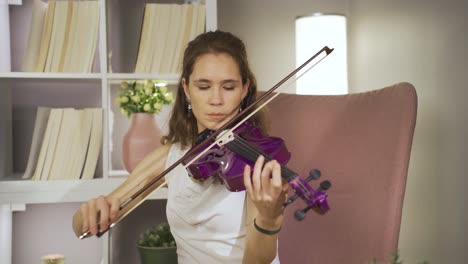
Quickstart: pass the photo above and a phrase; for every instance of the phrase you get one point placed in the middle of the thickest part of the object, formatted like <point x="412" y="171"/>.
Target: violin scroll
<point x="316" y="200"/>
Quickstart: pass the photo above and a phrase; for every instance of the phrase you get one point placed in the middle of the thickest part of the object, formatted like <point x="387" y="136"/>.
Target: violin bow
<point x="135" y="199"/>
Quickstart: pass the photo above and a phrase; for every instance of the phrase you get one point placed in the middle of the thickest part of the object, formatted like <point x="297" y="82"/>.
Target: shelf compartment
<point x="119" y="124"/>
<point x="20" y="23"/>
<point x="29" y="94"/>
<point x="46" y="229"/>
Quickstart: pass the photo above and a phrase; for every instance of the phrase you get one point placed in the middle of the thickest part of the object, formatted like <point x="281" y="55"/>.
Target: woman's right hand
<point x="97" y="214"/>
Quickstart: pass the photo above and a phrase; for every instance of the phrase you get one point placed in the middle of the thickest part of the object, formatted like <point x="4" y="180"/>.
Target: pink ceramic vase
<point x="142" y="137"/>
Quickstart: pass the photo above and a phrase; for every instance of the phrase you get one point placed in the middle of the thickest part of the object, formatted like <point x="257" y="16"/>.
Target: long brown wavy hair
<point x="182" y="124"/>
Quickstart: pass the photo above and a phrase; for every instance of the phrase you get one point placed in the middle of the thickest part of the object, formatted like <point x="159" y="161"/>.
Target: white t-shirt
<point x="207" y="220"/>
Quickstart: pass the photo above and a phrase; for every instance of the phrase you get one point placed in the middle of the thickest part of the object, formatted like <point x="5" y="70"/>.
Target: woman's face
<point x="215" y="90"/>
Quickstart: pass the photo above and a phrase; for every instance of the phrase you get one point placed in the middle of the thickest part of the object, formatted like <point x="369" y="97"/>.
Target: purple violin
<point x="227" y="159"/>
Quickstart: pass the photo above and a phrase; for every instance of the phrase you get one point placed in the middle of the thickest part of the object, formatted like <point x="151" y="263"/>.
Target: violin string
<point x="242" y="145"/>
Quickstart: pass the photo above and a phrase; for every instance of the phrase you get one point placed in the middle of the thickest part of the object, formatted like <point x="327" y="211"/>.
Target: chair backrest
<point x="361" y="143"/>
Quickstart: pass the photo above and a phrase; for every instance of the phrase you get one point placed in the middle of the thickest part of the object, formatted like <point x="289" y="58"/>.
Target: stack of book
<point x="63" y="36"/>
<point x="166" y="30"/>
<point x="66" y="144"/>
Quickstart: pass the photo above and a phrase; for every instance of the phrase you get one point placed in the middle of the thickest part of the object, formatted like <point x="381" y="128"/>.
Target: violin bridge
<point x="224" y="138"/>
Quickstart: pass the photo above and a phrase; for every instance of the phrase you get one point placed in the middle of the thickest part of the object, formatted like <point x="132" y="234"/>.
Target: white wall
<point x="423" y="42"/>
<point x="420" y="41"/>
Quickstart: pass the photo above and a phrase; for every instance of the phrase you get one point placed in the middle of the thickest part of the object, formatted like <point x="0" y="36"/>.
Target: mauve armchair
<point x="361" y="143"/>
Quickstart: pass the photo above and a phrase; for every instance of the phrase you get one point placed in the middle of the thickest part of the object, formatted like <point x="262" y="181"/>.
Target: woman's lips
<point x="216" y="116"/>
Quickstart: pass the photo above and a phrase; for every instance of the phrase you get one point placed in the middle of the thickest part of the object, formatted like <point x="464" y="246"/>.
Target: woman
<point x="210" y="224"/>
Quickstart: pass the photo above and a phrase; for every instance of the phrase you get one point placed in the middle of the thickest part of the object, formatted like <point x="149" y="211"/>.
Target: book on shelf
<point x="94" y="146"/>
<point x="63" y="36"/>
<point x="48" y="147"/>
<point x="166" y="31"/>
<point x="34" y="41"/>
<point x="45" y="36"/>
<point x="66" y="144"/>
<point x="42" y="117"/>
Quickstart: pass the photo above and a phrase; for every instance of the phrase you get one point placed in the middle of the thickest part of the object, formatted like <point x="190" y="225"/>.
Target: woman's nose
<point x="216" y="97"/>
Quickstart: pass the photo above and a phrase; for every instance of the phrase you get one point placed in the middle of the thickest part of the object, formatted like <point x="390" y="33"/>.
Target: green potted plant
<point x="157" y="245"/>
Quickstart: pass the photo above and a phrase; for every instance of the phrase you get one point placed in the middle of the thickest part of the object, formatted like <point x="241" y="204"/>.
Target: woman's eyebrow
<point x="198" y="81"/>
<point x="201" y="81"/>
<point x="233" y="81"/>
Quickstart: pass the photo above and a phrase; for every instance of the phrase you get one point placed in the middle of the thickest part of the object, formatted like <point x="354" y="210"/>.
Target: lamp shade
<point x="313" y="33"/>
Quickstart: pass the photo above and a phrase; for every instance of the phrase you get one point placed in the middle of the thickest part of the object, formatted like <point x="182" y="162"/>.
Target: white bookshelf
<point x="32" y="89"/>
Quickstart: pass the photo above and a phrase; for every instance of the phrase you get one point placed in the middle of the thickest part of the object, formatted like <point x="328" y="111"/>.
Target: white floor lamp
<point x="313" y="33"/>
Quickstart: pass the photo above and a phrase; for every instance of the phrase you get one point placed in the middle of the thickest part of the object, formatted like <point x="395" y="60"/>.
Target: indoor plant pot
<point x="157" y="245"/>
<point x="157" y="254"/>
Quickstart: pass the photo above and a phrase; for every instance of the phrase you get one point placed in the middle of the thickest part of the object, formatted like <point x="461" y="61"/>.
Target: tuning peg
<point x="313" y="175"/>
<point x="299" y="215"/>
<point x="324" y="186"/>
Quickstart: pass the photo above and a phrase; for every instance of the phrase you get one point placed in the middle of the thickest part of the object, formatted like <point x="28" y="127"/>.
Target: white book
<point x="146" y="29"/>
<point x="70" y="48"/>
<point x="79" y="60"/>
<point x="68" y="129"/>
<point x="42" y="117"/>
<point x="94" y="148"/>
<point x="31" y="55"/>
<point x="57" y="37"/>
<point x="154" y="12"/>
<point x="201" y="19"/>
<point x="194" y="23"/>
<point x="45" y="37"/>
<point x="182" y="37"/>
<point x="48" y="145"/>
<point x="159" y="35"/>
<point x="171" y="39"/>
<point x="93" y="10"/>
<point x="74" y="50"/>
<point x="51" y="149"/>
<point x="81" y="143"/>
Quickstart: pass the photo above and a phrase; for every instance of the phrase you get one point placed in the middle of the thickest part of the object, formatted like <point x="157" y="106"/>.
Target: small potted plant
<point x="157" y="245"/>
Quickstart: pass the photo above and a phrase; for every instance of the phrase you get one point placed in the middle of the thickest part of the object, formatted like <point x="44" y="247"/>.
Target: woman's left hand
<point x="267" y="190"/>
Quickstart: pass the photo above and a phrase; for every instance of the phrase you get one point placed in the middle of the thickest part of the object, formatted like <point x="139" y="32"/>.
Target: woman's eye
<point x="203" y="87"/>
<point x="229" y="88"/>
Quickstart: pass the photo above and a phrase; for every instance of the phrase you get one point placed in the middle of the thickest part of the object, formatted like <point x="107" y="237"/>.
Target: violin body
<point x="226" y="165"/>
<point x="226" y="161"/>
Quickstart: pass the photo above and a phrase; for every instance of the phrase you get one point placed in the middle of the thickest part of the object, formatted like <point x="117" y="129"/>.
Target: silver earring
<point x="189" y="109"/>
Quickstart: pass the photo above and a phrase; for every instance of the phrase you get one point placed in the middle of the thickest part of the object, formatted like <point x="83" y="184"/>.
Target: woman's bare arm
<point x="105" y="209"/>
<point x="260" y="248"/>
